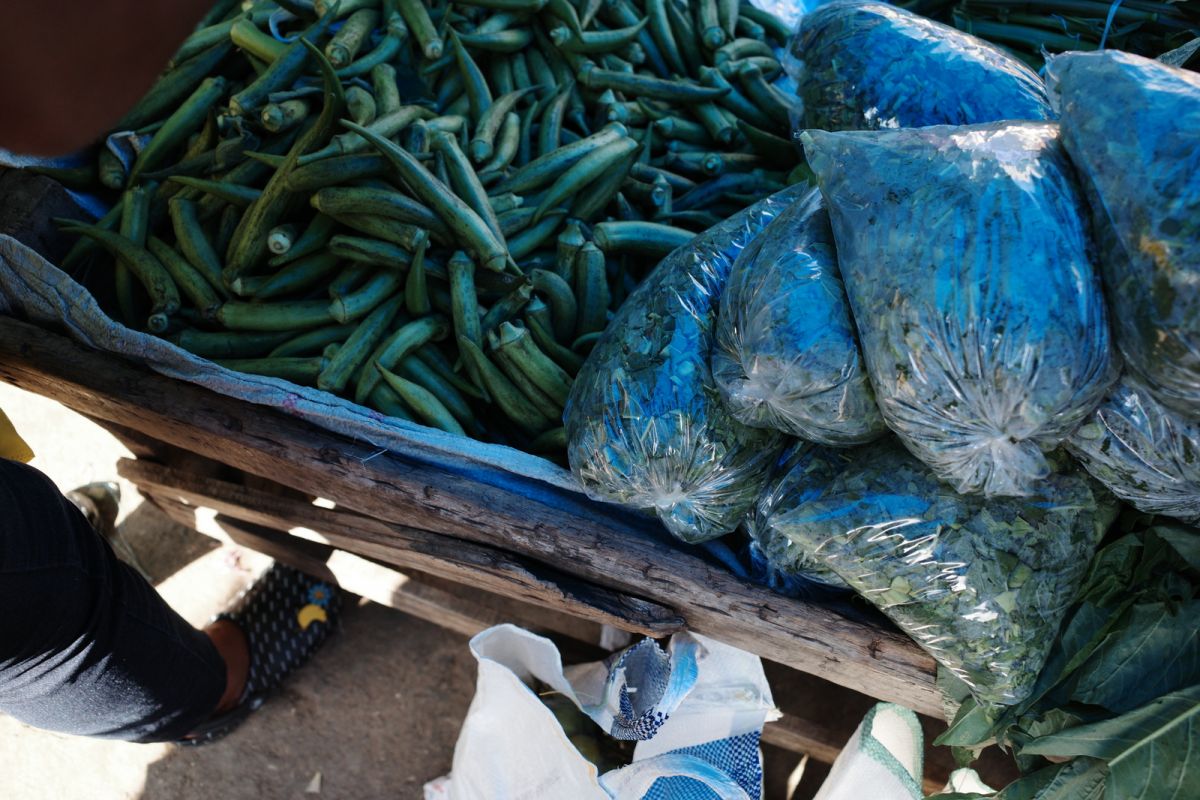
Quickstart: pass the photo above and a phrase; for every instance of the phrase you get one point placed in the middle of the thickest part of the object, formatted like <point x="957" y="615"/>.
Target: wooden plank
<point x="593" y="541"/>
<point x="399" y="546"/>
<point x="458" y="607"/>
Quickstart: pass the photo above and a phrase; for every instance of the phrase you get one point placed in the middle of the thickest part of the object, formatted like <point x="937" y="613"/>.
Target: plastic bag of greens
<point x="1132" y="127"/>
<point x="966" y="261"/>
<point x="1145" y="452"/>
<point x="863" y="65"/>
<point x="800" y="477"/>
<point x="645" y="424"/>
<point x="981" y="584"/>
<point x="786" y="355"/>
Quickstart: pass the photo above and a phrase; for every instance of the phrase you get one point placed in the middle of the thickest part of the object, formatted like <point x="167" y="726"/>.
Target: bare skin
<point x="231" y="644"/>
<point x="69" y="69"/>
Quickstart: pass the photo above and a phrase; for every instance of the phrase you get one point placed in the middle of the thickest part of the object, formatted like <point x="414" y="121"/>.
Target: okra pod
<point x="190" y="238"/>
<point x="301" y="371"/>
<point x="428" y="408"/>
<point x="406" y="340"/>
<point x="558" y="294"/>
<point x="591" y="290"/>
<point x="240" y="196"/>
<point x="515" y="405"/>
<point x="345" y="200"/>
<point x="345" y="44"/>
<point x="290" y="316"/>
<point x="422" y="28"/>
<point x="458" y="216"/>
<point x="416" y="292"/>
<point x="315" y="237"/>
<point x="651" y="239"/>
<point x="547" y="376"/>
<point x="310" y="342"/>
<point x="678" y="91"/>
<point x="185" y="276"/>
<point x="465" y="182"/>
<point x="297" y="276"/>
<point x="387" y="93"/>
<point x="190" y="115"/>
<point x="364" y="250"/>
<point x="228" y="344"/>
<point x="353" y="353"/>
<point x="251" y="39"/>
<point x="361" y="105"/>
<point x="588" y="169"/>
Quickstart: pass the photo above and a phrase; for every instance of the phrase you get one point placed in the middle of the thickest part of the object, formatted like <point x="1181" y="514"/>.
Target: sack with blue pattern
<point x="695" y="710"/>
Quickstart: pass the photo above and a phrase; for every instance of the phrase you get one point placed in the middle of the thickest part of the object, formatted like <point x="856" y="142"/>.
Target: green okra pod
<point x="229" y="344"/>
<point x="315" y="237"/>
<point x="591" y="290"/>
<point x="457" y="215"/>
<point x="387" y="93"/>
<point x="311" y="342"/>
<point x="560" y="297"/>
<point x="677" y="91"/>
<point x="416" y="291"/>
<point x="193" y="243"/>
<point x="186" y="277"/>
<point x="345" y="44"/>
<point x="174" y="132"/>
<point x="399" y="345"/>
<point x="515" y="405"/>
<point x="302" y="371"/>
<point x="365" y="250"/>
<point x="361" y="343"/>
<point x="347" y="200"/>
<point x="465" y="182"/>
<point x="297" y="276"/>
<point x="252" y="40"/>
<point x="423" y="402"/>
<point x="416" y="15"/>
<point x="550" y="378"/>
<point x="295" y="315"/>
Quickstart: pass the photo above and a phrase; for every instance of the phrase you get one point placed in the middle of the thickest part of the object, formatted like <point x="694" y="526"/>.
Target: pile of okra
<point x="431" y="208"/>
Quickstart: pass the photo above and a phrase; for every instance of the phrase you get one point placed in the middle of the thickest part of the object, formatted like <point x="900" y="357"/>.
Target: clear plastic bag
<point x="800" y="477"/>
<point x="1132" y="128"/>
<point x="966" y="261"/>
<point x="786" y="355"/>
<point x="1143" y="451"/>
<point x="868" y="65"/>
<point x="645" y="425"/>
<point x="981" y="584"/>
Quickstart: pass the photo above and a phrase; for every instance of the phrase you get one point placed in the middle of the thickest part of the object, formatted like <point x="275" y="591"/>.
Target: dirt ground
<point x="374" y="715"/>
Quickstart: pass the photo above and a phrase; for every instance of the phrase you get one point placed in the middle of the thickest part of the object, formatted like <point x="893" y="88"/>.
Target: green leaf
<point x="1155" y="650"/>
<point x="953" y="690"/>
<point x="1110" y="570"/>
<point x="1081" y="779"/>
<point x="1185" y="541"/>
<point x="972" y="727"/>
<point x="1152" y="752"/>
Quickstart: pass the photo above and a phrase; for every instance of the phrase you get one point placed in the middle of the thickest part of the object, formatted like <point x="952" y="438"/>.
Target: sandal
<point x="286" y="615"/>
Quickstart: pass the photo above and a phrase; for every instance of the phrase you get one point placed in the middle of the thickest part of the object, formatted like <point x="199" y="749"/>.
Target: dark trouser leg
<point x="87" y="646"/>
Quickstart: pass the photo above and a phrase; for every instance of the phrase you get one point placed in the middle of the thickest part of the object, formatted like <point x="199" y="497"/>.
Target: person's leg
<point x="87" y="646"/>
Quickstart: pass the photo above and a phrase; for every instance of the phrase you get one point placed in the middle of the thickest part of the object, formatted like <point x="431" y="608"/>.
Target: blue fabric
<point x="737" y="756"/>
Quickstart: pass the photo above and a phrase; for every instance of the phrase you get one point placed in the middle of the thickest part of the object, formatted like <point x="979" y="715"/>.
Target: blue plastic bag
<point x="965" y="256"/>
<point x="867" y="65"/>
<point x="1132" y="127"/>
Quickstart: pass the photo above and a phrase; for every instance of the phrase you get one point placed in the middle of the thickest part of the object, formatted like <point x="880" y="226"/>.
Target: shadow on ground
<point x="376" y="713"/>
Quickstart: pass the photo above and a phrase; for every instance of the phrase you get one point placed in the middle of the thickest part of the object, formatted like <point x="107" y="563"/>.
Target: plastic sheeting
<point x="864" y="65"/>
<point x="645" y="423"/>
<point x="965" y="257"/>
<point x="786" y="355"/>
<point x="1132" y="127"/>
<point x="982" y="585"/>
<point x="1143" y="451"/>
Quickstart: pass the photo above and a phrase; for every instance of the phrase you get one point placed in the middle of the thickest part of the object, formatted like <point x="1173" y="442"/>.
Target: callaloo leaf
<point x="1156" y="650"/>
<point x="972" y="726"/>
<point x="1186" y="541"/>
<point x="1081" y="779"/>
<point x="1152" y="752"/>
<point x="1108" y="576"/>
